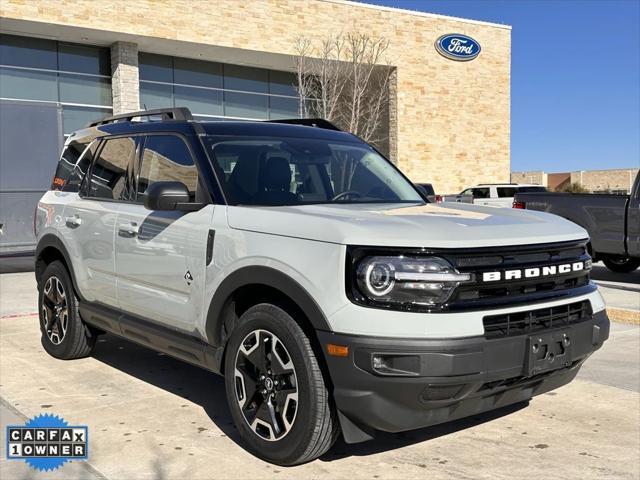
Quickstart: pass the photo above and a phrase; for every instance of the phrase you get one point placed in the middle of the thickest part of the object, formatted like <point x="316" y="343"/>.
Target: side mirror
<point x="169" y="196"/>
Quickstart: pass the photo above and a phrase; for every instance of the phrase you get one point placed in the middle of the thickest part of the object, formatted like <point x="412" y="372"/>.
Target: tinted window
<point x="296" y="171"/>
<point x="480" y="193"/>
<point x="73" y="165"/>
<point x="531" y="189"/>
<point x="109" y="173"/>
<point x="506" y="192"/>
<point x="166" y="158"/>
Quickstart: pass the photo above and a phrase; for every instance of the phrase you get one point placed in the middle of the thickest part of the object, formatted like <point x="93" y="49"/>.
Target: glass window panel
<point x="281" y="107"/>
<point x="246" y="78"/>
<point x="246" y="105"/>
<point x="196" y="72"/>
<point x="166" y="158"/>
<point x="83" y="89"/>
<point x="28" y="52"/>
<point x="154" y="95"/>
<point x="84" y="59"/>
<point x="28" y="84"/>
<point x="109" y="173"/>
<point x="158" y="68"/>
<point x="76" y="118"/>
<point x="199" y="100"/>
<point x="282" y="83"/>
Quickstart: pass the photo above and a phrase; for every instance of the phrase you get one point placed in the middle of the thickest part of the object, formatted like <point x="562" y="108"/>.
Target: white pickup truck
<point x="498" y="194"/>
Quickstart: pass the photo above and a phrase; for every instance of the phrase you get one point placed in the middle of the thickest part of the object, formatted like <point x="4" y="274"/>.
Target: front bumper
<point x="455" y="378"/>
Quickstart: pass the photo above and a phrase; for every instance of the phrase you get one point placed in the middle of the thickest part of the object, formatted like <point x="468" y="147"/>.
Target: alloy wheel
<point x="55" y="311"/>
<point x="266" y="386"/>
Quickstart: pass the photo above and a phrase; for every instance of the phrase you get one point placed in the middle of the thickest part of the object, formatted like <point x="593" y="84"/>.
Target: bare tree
<point x="345" y="79"/>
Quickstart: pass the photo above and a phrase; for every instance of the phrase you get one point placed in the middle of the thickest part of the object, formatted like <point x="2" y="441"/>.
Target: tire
<point x="306" y="426"/>
<point x="65" y="335"/>
<point x="621" y="264"/>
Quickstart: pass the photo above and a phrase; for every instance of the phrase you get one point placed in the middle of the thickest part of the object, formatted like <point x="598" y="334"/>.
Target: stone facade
<point x="615" y="181"/>
<point x="537" y="178"/>
<point x="451" y="124"/>
<point x="125" y="84"/>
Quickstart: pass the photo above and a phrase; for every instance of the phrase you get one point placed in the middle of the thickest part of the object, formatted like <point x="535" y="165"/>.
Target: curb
<point x="623" y="315"/>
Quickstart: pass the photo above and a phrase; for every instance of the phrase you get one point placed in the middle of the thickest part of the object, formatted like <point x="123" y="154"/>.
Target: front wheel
<point x="621" y="264"/>
<point x="276" y="391"/>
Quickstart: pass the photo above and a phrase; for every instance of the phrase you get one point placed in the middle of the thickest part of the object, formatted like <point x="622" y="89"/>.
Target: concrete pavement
<point x="150" y="416"/>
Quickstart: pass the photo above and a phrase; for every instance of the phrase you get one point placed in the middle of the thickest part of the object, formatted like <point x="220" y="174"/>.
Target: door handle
<point x="73" y="222"/>
<point x="129" y="231"/>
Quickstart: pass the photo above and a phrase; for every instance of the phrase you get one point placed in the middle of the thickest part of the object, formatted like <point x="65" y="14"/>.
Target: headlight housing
<point x="404" y="282"/>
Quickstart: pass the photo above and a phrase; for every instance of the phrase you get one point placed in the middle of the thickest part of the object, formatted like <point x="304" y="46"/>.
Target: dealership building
<point x="67" y="62"/>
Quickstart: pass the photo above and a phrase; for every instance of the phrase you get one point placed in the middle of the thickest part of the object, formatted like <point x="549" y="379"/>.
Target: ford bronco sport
<point x="298" y="262"/>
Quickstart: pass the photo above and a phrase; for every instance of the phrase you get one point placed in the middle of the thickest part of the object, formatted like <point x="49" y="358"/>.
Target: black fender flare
<point x="269" y="277"/>
<point x="51" y="241"/>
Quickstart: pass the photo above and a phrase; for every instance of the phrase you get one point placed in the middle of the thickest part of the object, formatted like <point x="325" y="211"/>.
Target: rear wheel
<point x="621" y="264"/>
<point x="275" y="389"/>
<point x="64" y="334"/>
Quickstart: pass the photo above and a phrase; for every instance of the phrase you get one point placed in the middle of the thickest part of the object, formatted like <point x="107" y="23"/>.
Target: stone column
<point x="125" y="87"/>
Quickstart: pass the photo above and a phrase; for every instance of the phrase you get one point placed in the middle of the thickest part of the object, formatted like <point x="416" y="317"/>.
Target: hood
<point x="444" y="225"/>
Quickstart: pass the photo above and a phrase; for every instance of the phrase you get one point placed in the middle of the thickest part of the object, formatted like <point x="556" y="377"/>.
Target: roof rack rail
<point x="181" y="113"/>
<point x="309" y="122"/>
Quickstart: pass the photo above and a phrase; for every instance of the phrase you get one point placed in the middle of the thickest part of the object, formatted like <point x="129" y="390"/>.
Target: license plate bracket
<point x="547" y="351"/>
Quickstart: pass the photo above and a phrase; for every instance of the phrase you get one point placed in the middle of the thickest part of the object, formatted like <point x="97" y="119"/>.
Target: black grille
<point x="521" y="323"/>
<point x="478" y="294"/>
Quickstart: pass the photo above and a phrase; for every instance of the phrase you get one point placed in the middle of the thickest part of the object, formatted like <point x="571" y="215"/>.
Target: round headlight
<point x="379" y="277"/>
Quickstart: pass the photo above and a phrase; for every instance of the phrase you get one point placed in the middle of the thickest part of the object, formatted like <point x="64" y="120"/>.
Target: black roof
<point x="180" y="120"/>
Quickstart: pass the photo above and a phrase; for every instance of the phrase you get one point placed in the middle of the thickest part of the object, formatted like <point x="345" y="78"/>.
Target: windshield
<point x="298" y="171"/>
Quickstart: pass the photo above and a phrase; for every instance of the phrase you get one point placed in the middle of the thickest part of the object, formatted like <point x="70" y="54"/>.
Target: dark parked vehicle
<point x="613" y="221"/>
<point x="427" y="190"/>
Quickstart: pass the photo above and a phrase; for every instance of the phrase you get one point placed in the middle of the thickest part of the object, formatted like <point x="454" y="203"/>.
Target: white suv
<point x="498" y="194"/>
<point x="302" y="265"/>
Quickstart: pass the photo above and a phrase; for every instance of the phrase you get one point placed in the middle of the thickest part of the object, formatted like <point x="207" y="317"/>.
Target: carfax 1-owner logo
<point x="46" y="442"/>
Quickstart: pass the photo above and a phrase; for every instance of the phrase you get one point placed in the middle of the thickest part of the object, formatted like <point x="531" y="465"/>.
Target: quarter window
<point x="166" y="158"/>
<point x="109" y="173"/>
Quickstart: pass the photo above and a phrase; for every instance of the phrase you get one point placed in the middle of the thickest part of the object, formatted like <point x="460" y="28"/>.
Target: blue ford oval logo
<point x="457" y="47"/>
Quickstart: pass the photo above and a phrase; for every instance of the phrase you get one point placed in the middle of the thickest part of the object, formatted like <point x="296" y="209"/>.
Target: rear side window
<point x="166" y="158"/>
<point x="506" y="192"/>
<point x="73" y="165"/>
<point x="481" y="193"/>
<point x="109" y="179"/>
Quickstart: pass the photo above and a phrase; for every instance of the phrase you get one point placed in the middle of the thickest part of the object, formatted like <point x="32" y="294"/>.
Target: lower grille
<point x="521" y="323"/>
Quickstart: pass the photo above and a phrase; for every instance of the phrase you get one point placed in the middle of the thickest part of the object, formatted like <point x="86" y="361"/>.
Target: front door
<point x="161" y="255"/>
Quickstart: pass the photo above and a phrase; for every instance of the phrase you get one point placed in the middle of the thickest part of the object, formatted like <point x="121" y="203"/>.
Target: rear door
<point x="481" y="195"/>
<point x="89" y="219"/>
<point x="161" y="255"/>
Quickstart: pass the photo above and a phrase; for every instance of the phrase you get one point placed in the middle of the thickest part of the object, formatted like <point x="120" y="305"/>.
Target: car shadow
<point x="192" y="383"/>
<point x="207" y="390"/>
<point x="384" y="442"/>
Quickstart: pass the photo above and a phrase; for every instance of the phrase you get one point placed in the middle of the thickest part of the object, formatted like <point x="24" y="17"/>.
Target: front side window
<point x="109" y="173"/>
<point x="298" y="171"/>
<point x="166" y="158"/>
